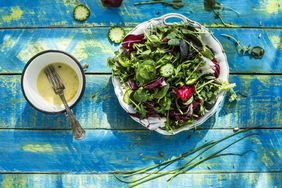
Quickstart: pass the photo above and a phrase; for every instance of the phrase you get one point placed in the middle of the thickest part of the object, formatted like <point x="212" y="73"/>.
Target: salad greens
<point x="169" y="72"/>
<point x="256" y="51"/>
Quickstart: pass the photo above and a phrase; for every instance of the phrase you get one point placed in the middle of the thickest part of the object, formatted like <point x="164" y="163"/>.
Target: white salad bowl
<point x="32" y="70"/>
<point x="155" y="123"/>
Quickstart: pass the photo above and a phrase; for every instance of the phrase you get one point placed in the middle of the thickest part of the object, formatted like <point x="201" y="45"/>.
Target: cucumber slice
<point x="81" y="13"/>
<point x="167" y="70"/>
<point x="116" y="34"/>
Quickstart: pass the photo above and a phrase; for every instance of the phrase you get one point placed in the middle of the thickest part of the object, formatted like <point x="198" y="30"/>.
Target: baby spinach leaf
<point x="145" y="72"/>
<point x="140" y="95"/>
<point x="161" y="92"/>
<point x="174" y="42"/>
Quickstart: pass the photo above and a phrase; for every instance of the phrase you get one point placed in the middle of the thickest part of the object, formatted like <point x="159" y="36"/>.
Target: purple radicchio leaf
<point x="132" y="84"/>
<point x="129" y="40"/>
<point x="178" y="116"/>
<point x="216" y="68"/>
<point x="150" y="109"/>
<point x="210" y="67"/>
<point x="196" y="104"/>
<point x="157" y="83"/>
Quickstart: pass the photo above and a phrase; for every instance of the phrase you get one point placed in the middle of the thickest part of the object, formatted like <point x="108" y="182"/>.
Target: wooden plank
<point x="91" y="46"/>
<point x="24" y="13"/>
<point x="259" y="105"/>
<point x="104" y="151"/>
<point x="246" y="180"/>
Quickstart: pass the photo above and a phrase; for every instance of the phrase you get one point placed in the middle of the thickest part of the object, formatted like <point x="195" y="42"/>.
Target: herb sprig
<point x="176" y="4"/>
<point x="217" y="8"/>
<point x="151" y="173"/>
<point x="256" y="51"/>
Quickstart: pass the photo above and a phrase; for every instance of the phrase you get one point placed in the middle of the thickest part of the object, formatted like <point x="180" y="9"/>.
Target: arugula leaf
<point x="142" y="111"/>
<point x="232" y="96"/>
<point x="207" y="53"/>
<point x="164" y="105"/>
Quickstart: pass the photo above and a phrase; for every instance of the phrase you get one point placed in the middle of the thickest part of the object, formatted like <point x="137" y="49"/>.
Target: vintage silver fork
<point x="58" y="86"/>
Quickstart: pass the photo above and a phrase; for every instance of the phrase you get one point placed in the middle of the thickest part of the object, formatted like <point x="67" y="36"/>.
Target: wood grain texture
<point x="104" y="151"/>
<point x="24" y="13"/>
<point x="259" y="105"/>
<point x="92" y="47"/>
<point x="246" y="180"/>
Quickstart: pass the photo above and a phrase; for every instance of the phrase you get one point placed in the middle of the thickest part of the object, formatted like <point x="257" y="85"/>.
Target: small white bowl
<point x="157" y="124"/>
<point x="32" y="70"/>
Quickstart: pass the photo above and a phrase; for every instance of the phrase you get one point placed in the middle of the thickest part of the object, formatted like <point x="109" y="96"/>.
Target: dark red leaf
<point x="196" y="103"/>
<point x="132" y="84"/>
<point x="165" y="40"/>
<point x="129" y="40"/>
<point x="178" y="117"/>
<point x="133" y="114"/>
<point x="157" y="83"/>
<point x="217" y="68"/>
<point x="150" y="109"/>
<point x="112" y="3"/>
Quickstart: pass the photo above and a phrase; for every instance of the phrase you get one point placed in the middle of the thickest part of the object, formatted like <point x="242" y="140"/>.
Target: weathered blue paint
<point x="108" y="150"/>
<point x="246" y="180"/>
<point x="91" y="46"/>
<point x="259" y="105"/>
<point x="104" y="151"/>
<point x="59" y="13"/>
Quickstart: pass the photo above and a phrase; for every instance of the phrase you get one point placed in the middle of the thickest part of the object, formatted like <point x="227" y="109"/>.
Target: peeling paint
<point x="7" y="181"/>
<point x="44" y="148"/>
<point x="16" y="14"/>
<point x="265" y="159"/>
<point x="9" y="42"/>
<point x="30" y="49"/>
<point x="85" y="49"/>
<point x="276" y="42"/>
<point x="271" y="6"/>
<point x="63" y="43"/>
<point x="274" y="6"/>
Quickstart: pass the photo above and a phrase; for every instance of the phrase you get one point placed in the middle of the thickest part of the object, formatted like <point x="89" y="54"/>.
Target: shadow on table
<point x="143" y="138"/>
<point x="30" y="118"/>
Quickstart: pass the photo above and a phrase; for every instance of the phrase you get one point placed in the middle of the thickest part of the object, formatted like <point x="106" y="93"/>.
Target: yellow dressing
<point x="69" y="78"/>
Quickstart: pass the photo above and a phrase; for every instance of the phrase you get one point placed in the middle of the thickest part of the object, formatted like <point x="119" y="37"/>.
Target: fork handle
<point x="78" y="131"/>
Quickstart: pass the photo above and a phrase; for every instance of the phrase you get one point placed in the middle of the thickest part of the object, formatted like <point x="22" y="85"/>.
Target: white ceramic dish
<point x="32" y="70"/>
<point x="154" y="123"/>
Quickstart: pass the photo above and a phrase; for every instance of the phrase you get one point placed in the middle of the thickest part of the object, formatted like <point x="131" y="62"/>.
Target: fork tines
<point x="54" y="79"/>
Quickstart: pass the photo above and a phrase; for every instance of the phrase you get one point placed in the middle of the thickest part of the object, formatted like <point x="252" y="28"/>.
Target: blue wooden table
<point x="37" y="150"/>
